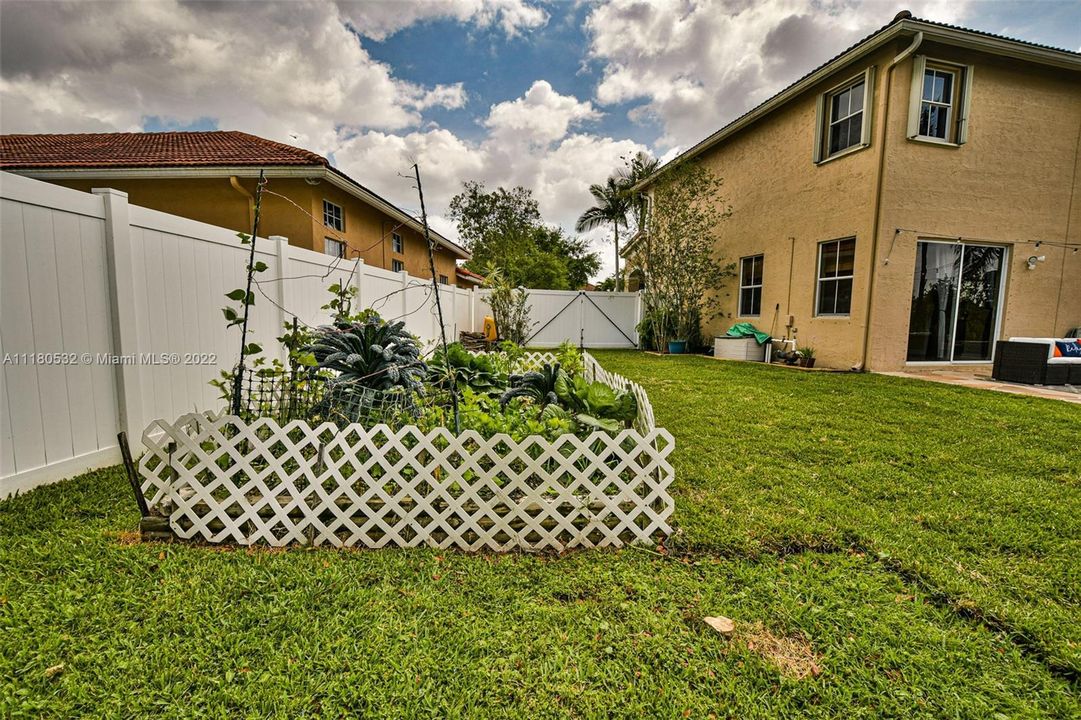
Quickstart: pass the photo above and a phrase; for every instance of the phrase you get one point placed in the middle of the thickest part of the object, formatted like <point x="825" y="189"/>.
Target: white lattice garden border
<point x="222" y="480"/>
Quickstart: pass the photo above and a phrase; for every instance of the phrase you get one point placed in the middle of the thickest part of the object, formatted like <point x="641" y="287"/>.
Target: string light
<point x="994" y="241"/>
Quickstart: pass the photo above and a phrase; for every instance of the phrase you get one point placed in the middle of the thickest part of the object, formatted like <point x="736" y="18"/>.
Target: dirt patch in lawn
<point x="791" y="654"/>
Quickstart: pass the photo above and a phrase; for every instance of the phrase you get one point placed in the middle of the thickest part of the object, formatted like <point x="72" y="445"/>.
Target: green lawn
<point x="887" y="547"/>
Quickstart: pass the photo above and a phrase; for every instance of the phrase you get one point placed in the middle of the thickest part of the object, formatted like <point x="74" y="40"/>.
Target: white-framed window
<point x="396" y="243"/>
<point x="333" y="216"/>
<point x="844" y="117"/>
<point x="836" y="266"/>
<point x="335" y="248"/>
<point x="750" y="286"/>
<point x="940" y="101"/>
<point x="397" y="265"/>
<point x="444" y="280"/>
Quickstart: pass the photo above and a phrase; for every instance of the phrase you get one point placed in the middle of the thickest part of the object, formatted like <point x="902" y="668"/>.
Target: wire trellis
<point x="316" y="397"/>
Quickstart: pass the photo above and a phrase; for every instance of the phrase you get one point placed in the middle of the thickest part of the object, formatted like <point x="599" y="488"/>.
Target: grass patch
<point x="887" y="548"/>
<point x="971" y="495"/>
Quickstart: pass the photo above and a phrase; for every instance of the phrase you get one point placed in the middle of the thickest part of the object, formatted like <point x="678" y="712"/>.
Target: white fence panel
<point x="57" y="410"/>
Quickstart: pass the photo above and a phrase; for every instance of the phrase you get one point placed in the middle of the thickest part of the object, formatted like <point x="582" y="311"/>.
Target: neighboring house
<point x="211" y="177"/>
<point x="908" y="202"/>
<point x="467" y="278"/>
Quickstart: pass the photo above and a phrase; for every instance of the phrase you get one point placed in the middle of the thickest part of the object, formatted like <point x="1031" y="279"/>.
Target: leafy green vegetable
<point x="595" y="404"/>
<point x="478" y="372"/>
<point x="538" y="386"/>
<point x="372" y="353"/>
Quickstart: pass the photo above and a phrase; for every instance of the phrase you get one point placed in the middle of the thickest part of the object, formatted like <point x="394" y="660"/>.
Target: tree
<point x="611" y="206"/>
<point x="504" y="229"/>
<point x="581" y="263"/>
<point x="638" y="168"/>
<point x="685" y="275"/>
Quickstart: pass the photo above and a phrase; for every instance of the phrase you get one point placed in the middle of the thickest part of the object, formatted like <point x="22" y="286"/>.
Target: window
<point x="397" y="265"/>
<point x="844" y="117"/>
<point x="333" y="216"/>
<point x="396" y="243"/>
<point x="444" y="280"/>
<point x="836" y="261"/>
<point x="750" y="286"/>
<point x="334" y="247"/>
<point x="939" y="106"/>
<point x="936" y="106"/>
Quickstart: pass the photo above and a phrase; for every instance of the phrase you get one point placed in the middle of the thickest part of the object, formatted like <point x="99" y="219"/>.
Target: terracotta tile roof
<point x="164" y="149"/>
<point x="469" y="274"/>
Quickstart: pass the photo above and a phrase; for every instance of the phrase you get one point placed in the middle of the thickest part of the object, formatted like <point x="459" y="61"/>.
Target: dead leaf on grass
<point x="54" y="670"/>
<point x="725" y="626"/>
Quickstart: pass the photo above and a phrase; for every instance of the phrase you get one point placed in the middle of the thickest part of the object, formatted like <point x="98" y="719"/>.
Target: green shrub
<point x="569" y="358"/>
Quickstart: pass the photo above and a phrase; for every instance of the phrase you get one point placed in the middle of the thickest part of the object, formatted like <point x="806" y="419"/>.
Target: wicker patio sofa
<point x="1034" y="361"/>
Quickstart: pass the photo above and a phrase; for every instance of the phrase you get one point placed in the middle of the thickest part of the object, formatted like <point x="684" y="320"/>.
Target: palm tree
<point x="638" y="168"/>
<point x="611" y="206"/>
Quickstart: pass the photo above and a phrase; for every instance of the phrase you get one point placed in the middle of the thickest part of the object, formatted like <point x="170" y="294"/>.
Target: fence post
<point x="281" y="268"/>
<point x="637" y="318"/>
<point x="473" y="309"/>
<point x="120" y="269"/>
<point x="358" y="275"/>
<point x="582" y="319"/>
<point x="405" y="296"/>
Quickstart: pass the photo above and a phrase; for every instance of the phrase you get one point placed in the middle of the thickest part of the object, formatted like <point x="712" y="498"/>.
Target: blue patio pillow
<point x="1068" y="348"/>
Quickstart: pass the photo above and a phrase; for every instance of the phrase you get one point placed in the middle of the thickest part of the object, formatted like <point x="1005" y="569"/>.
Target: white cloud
<point x="539" y="117"/>
<point x="291" y="71"/>
<point x="530" y="144"/>
<point x="379" y="20"/>
<point x="696" y="65"/>
<point x="298" y="73"/>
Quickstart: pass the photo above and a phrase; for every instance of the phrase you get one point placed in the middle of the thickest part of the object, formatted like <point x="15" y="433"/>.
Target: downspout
<point x="861" y="366"/>
<point x="251" y="199"/>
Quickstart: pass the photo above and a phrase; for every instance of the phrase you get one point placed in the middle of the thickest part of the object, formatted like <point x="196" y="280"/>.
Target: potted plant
<point x="806" y="356"/>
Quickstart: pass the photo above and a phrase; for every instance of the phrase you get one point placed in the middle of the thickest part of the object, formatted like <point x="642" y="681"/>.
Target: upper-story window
<point x="334" y="247"/>
<point x="844" y="117"/>
<point x="397" y="265"/>
<point x="939" y="105"/>
<point x="444" y="280"/>
<point x="396" y="243"/>
<point x="333" y="216"/>
<point x="750" y="286"/>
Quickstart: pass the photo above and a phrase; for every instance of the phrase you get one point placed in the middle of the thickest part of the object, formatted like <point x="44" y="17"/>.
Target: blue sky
<point x="547" y="95"/>
<point x="496" y="67"/>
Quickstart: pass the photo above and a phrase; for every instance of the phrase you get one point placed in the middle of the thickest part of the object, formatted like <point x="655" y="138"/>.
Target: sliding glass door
<point x="956" y="298"/>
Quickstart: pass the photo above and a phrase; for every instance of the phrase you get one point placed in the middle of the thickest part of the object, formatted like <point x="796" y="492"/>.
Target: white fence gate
<point x="588" y="319"/>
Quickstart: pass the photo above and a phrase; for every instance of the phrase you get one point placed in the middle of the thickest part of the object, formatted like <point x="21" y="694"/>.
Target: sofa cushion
<point x="1065" y="352"/>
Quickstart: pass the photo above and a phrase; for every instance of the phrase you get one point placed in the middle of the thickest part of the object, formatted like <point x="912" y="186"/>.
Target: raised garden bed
<point x="230" y="479"/>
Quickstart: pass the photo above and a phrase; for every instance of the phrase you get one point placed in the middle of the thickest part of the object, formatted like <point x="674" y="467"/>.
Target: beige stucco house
<point x="211" y="177"/>
<point x="907" y="203"/>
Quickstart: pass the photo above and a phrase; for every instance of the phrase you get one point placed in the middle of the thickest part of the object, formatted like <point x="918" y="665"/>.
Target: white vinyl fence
<point x="588" y="319"/>
<point x="110" y="317"/>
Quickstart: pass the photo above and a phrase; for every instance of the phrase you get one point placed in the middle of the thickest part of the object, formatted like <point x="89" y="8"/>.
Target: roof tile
<point x="165" y="149"/>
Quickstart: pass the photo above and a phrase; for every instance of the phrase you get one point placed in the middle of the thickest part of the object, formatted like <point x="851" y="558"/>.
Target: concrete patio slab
<point x="981" y="379"/>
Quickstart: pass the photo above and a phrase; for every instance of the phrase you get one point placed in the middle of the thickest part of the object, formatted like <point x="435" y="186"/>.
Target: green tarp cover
<point x="747" y="330"/>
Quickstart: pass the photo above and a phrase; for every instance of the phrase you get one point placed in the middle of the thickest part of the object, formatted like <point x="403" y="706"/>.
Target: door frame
<point x="1000" y="303"/>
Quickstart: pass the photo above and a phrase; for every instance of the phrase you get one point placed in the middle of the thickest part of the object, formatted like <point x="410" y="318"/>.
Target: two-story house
<point x="212" y="176"/>
<point x="907" y="203"/>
